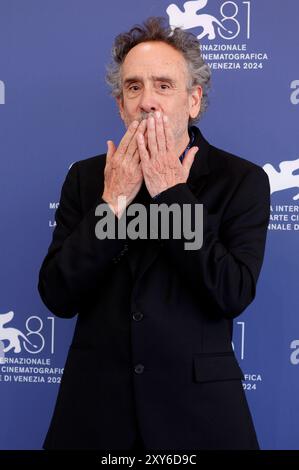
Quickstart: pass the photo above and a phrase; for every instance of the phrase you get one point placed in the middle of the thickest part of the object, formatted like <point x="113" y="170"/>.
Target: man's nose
<point x="148" y="102"/>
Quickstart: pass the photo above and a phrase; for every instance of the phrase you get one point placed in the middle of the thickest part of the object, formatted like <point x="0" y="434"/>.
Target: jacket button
<point x="139" y="368"/>
<point x="137" y="316"/>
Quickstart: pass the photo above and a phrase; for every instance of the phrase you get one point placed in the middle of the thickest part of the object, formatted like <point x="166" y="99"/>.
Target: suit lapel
<point x="142" y="253"/>
<point x="146" y="258"/>
<point x="201" y="164"/>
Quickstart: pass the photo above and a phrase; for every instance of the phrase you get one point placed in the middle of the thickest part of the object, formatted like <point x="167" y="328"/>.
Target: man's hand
<point x="123" y="174"/>
<point x="161" y="165"/>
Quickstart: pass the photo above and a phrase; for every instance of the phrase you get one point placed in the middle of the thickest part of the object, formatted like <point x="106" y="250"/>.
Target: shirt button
<point x="139" y="368"/>
<point x="137" y="316"/>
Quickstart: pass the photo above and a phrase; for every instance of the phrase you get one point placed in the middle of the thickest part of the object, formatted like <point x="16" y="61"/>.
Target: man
<point x="151" y="359"/>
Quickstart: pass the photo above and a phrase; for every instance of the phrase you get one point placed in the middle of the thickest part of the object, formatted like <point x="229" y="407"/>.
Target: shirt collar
<point x="191" y="135"/>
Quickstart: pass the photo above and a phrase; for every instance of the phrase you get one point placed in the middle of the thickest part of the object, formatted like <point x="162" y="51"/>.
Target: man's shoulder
<point x="220" y="161"/>
<point x="85" y="180"/>
<point x="87" y="173"/>
<point x="91" y="164"/>
<point x="221" y="158"/>
<point x="233" y="166"/>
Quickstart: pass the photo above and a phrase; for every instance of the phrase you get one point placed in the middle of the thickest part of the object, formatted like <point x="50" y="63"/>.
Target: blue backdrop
<point x="55" y="109"/>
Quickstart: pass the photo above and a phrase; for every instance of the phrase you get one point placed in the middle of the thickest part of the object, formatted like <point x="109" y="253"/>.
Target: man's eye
<point x="134" y="88"/>
<point x="164" y="86"/>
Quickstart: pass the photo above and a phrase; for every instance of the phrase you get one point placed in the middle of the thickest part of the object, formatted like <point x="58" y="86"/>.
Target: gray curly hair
<point x="156" y="29"/>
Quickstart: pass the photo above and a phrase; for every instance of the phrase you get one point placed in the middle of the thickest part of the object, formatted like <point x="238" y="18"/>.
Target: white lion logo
<point x="283" y="179"/>
<point x="12" y="335"/>
<point x="190" y="19"/>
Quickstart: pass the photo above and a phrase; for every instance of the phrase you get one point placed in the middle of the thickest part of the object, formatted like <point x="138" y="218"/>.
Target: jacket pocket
<point x="216" y="367"/>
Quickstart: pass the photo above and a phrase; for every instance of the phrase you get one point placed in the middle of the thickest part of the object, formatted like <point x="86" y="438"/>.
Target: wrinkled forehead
<point x="153" y="59"/>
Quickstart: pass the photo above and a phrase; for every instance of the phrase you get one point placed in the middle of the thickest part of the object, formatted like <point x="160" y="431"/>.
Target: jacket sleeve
<point x="76" y="260"/>
<point x="227" y="266"/>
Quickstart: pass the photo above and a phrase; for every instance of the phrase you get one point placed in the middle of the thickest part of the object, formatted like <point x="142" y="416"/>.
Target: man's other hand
<point x="161" y="165"/>
<point x="123" y="174"/>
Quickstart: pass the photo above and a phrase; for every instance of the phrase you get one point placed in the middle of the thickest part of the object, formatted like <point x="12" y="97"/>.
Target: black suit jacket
<point x="152" y="352"/>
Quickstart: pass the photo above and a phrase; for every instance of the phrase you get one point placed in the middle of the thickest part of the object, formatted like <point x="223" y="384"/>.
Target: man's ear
<point x="120" y="105"/>
<point x="195" y="97"/>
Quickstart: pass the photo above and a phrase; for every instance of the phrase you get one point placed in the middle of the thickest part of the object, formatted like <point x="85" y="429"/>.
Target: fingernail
<point x="158" y="114"/>
<point x="151" y="121"/>
<point x="165" y="118"/>
<point x="135" y="124"/>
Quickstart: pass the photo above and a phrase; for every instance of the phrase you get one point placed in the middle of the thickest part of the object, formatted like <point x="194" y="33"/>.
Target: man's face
<point x="154" y="78"/>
